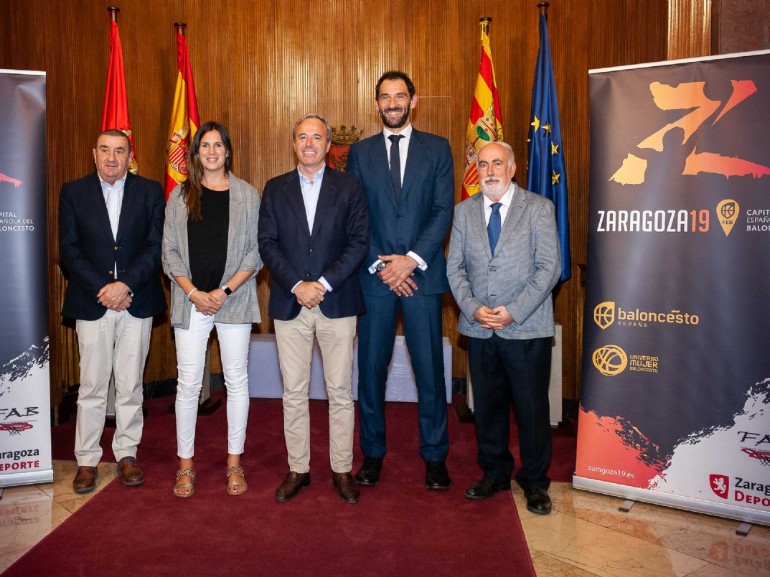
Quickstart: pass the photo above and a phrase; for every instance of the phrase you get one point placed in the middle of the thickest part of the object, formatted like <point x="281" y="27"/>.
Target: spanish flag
<point x="184" y="117"/>
<point x="484" y="124"/>
<point x="115" y="110"/>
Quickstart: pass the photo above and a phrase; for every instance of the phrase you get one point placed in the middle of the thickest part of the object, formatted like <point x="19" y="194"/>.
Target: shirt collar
<point x="406" y="132"/>
<point x="316" y="177"/>
<point x="506" y="199"/>
<point x="106" y="185"/>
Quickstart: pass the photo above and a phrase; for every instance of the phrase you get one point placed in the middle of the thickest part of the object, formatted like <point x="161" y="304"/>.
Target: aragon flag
<point x="184" y="117"/>
<point x="115" y="110"/>
<point x="484" y="123"/>
<point x="546" y="173"/>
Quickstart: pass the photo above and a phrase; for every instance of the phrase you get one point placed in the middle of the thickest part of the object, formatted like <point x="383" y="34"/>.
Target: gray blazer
<point x="520" y="275"/>
<point x="242" y="254"/>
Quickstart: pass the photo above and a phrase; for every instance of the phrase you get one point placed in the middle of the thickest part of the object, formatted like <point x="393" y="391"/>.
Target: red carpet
<point x="399" y="528"/>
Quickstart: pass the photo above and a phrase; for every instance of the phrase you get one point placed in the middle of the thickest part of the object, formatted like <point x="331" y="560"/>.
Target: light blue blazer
<point x="520" y="275"/>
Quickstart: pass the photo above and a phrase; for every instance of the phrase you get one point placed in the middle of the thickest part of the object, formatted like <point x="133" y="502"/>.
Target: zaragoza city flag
<point x="546" y="175"/>
<point x="184" y="118"/>
<point x="115" y="111"/>
<point x="484" y="123"/>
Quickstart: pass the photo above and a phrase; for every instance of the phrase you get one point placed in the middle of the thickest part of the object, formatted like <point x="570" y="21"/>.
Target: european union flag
<point x="546" y="174"/>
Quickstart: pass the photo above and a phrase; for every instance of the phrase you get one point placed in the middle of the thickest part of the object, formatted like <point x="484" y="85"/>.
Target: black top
<point x="207" y="240"/>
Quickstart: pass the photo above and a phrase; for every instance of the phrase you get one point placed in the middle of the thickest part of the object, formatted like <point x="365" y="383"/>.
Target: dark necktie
<point x="493" y="228"/>
<point x="395" y="164"/>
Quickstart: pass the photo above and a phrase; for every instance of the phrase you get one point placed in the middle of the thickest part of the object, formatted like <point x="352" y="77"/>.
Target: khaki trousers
<point x="295" y="348"/>
<point x="116" y="344"/>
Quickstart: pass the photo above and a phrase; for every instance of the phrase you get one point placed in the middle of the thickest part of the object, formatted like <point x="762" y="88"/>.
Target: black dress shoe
<point x="291" y="485"/>
<point x="538" y="501"/>
<point x="369" y="473"/>
<point x="436" y="476"/>
<point x="346" y="487"/>
<point x="485" y="488"/>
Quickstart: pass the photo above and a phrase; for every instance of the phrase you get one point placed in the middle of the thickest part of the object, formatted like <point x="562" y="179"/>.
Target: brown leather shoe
<point x="346" y="487"/>
<point x="129" y="472"/>
<point x="291" y="485"/>
<point x="85" y="480"/>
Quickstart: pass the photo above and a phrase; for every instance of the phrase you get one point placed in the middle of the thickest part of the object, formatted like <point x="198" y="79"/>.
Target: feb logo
<point x="720" y="485"/>
<point x="727" y="213"/>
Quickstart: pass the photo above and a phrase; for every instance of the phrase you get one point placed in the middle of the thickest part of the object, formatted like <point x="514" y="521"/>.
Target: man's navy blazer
<point x="335" y="249"/>
<point x="88" y="253"/>
<point x="420" y="219"/>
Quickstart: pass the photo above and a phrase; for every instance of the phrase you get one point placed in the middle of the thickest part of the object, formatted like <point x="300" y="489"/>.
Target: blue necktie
<point x="493" y="228"/>
<point x="395" y="164"/>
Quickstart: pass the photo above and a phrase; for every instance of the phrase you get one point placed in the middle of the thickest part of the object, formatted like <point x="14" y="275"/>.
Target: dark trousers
<point x="423" y="333"/>
<point x="505" y="372"/>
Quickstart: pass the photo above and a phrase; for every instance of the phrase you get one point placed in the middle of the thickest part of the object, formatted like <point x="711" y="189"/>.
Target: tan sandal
<point x="185" y="483"/>
<point x="236" y="488"/>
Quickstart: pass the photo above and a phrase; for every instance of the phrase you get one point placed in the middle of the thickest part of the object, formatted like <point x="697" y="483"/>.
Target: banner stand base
<point x="743" y="529"/>
<point x="29" y="478"/>
<point x="744" y="514"/>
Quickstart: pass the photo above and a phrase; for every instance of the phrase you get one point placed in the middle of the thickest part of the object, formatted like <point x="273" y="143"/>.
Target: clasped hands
<point x="398" y="273"/>
<point x="115" y="296"/>
<point x="208" y="303"/>
<point x="310" y="293"/>
<point x="495" y="319"/>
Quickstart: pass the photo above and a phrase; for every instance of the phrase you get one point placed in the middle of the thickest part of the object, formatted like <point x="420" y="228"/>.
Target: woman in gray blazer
<point x="210" y="254"/>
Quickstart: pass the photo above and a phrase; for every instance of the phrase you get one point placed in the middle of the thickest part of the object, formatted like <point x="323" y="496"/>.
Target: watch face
<point x="228" y="290"/>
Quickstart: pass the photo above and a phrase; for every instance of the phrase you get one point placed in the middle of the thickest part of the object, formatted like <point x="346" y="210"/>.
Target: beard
<point x="494" y="189"/>
<point x="399" y="122"/>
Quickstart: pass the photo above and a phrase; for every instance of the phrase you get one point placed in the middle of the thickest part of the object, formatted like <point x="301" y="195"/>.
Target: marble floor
<point x="585" y="535"/>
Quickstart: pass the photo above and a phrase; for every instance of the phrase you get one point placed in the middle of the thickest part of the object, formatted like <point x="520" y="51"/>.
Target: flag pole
<point x="180" y="26"/>
<point x="113" y="10"/>
<point x="543" y="7"/>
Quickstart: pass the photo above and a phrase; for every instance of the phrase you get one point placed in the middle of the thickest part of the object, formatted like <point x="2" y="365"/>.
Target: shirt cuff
<point x="322" y="280"/>
<point x="299" y="282"/>
<point x="421" y="264"/>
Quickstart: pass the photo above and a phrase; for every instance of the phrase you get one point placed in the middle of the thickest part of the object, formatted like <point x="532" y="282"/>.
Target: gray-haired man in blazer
<point x="503" y="264"/>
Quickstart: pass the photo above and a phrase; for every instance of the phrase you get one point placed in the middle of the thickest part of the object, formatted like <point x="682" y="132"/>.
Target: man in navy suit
<point x="408" y="181"/>
<point x="110" y="230"/>
<point x="313" y="236"/>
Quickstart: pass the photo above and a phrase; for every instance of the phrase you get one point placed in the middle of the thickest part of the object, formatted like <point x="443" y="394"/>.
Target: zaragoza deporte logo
<point x="727" y="213"/>
<point x="610" y="360"/>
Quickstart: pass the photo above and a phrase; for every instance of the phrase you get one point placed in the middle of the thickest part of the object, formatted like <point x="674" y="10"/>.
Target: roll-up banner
<point x="675" y="401"/>
<point x="25" y="416"/>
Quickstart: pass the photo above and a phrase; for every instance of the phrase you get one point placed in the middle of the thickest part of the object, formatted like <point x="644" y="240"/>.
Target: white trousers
<point x="294" y="339"/>
<point x="116" y="344"/>
<point x="190" y="358"/>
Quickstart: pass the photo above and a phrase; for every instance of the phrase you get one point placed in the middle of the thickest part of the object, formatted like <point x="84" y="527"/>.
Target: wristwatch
<point x="227" y="289"/>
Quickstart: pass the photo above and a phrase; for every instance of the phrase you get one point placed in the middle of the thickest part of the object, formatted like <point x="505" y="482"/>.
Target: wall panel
<point x="259" y="65"/>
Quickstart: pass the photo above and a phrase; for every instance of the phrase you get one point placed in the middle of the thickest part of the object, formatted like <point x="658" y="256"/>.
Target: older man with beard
<point x="503" y="264"/>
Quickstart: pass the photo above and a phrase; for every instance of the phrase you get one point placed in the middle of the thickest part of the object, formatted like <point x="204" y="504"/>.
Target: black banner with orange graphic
<point x="675" y="403"/>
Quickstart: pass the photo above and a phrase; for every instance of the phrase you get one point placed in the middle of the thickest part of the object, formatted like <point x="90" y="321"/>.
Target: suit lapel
<point x="515" y="212"/>
<point x="378" y="160"/>
<point x="126" y="206"/>
<point x="479" y="224"/>
<point x="294" y="198"/>
<point x="415" y="161"/>
<point x="325" y="198"/>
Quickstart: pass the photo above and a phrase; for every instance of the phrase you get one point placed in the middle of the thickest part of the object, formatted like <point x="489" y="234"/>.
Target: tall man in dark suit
<point x="408" y="180"/>
<point x="313" y="236"/>
<point x="110" y="230"/>
<point x="503" y="264"/>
